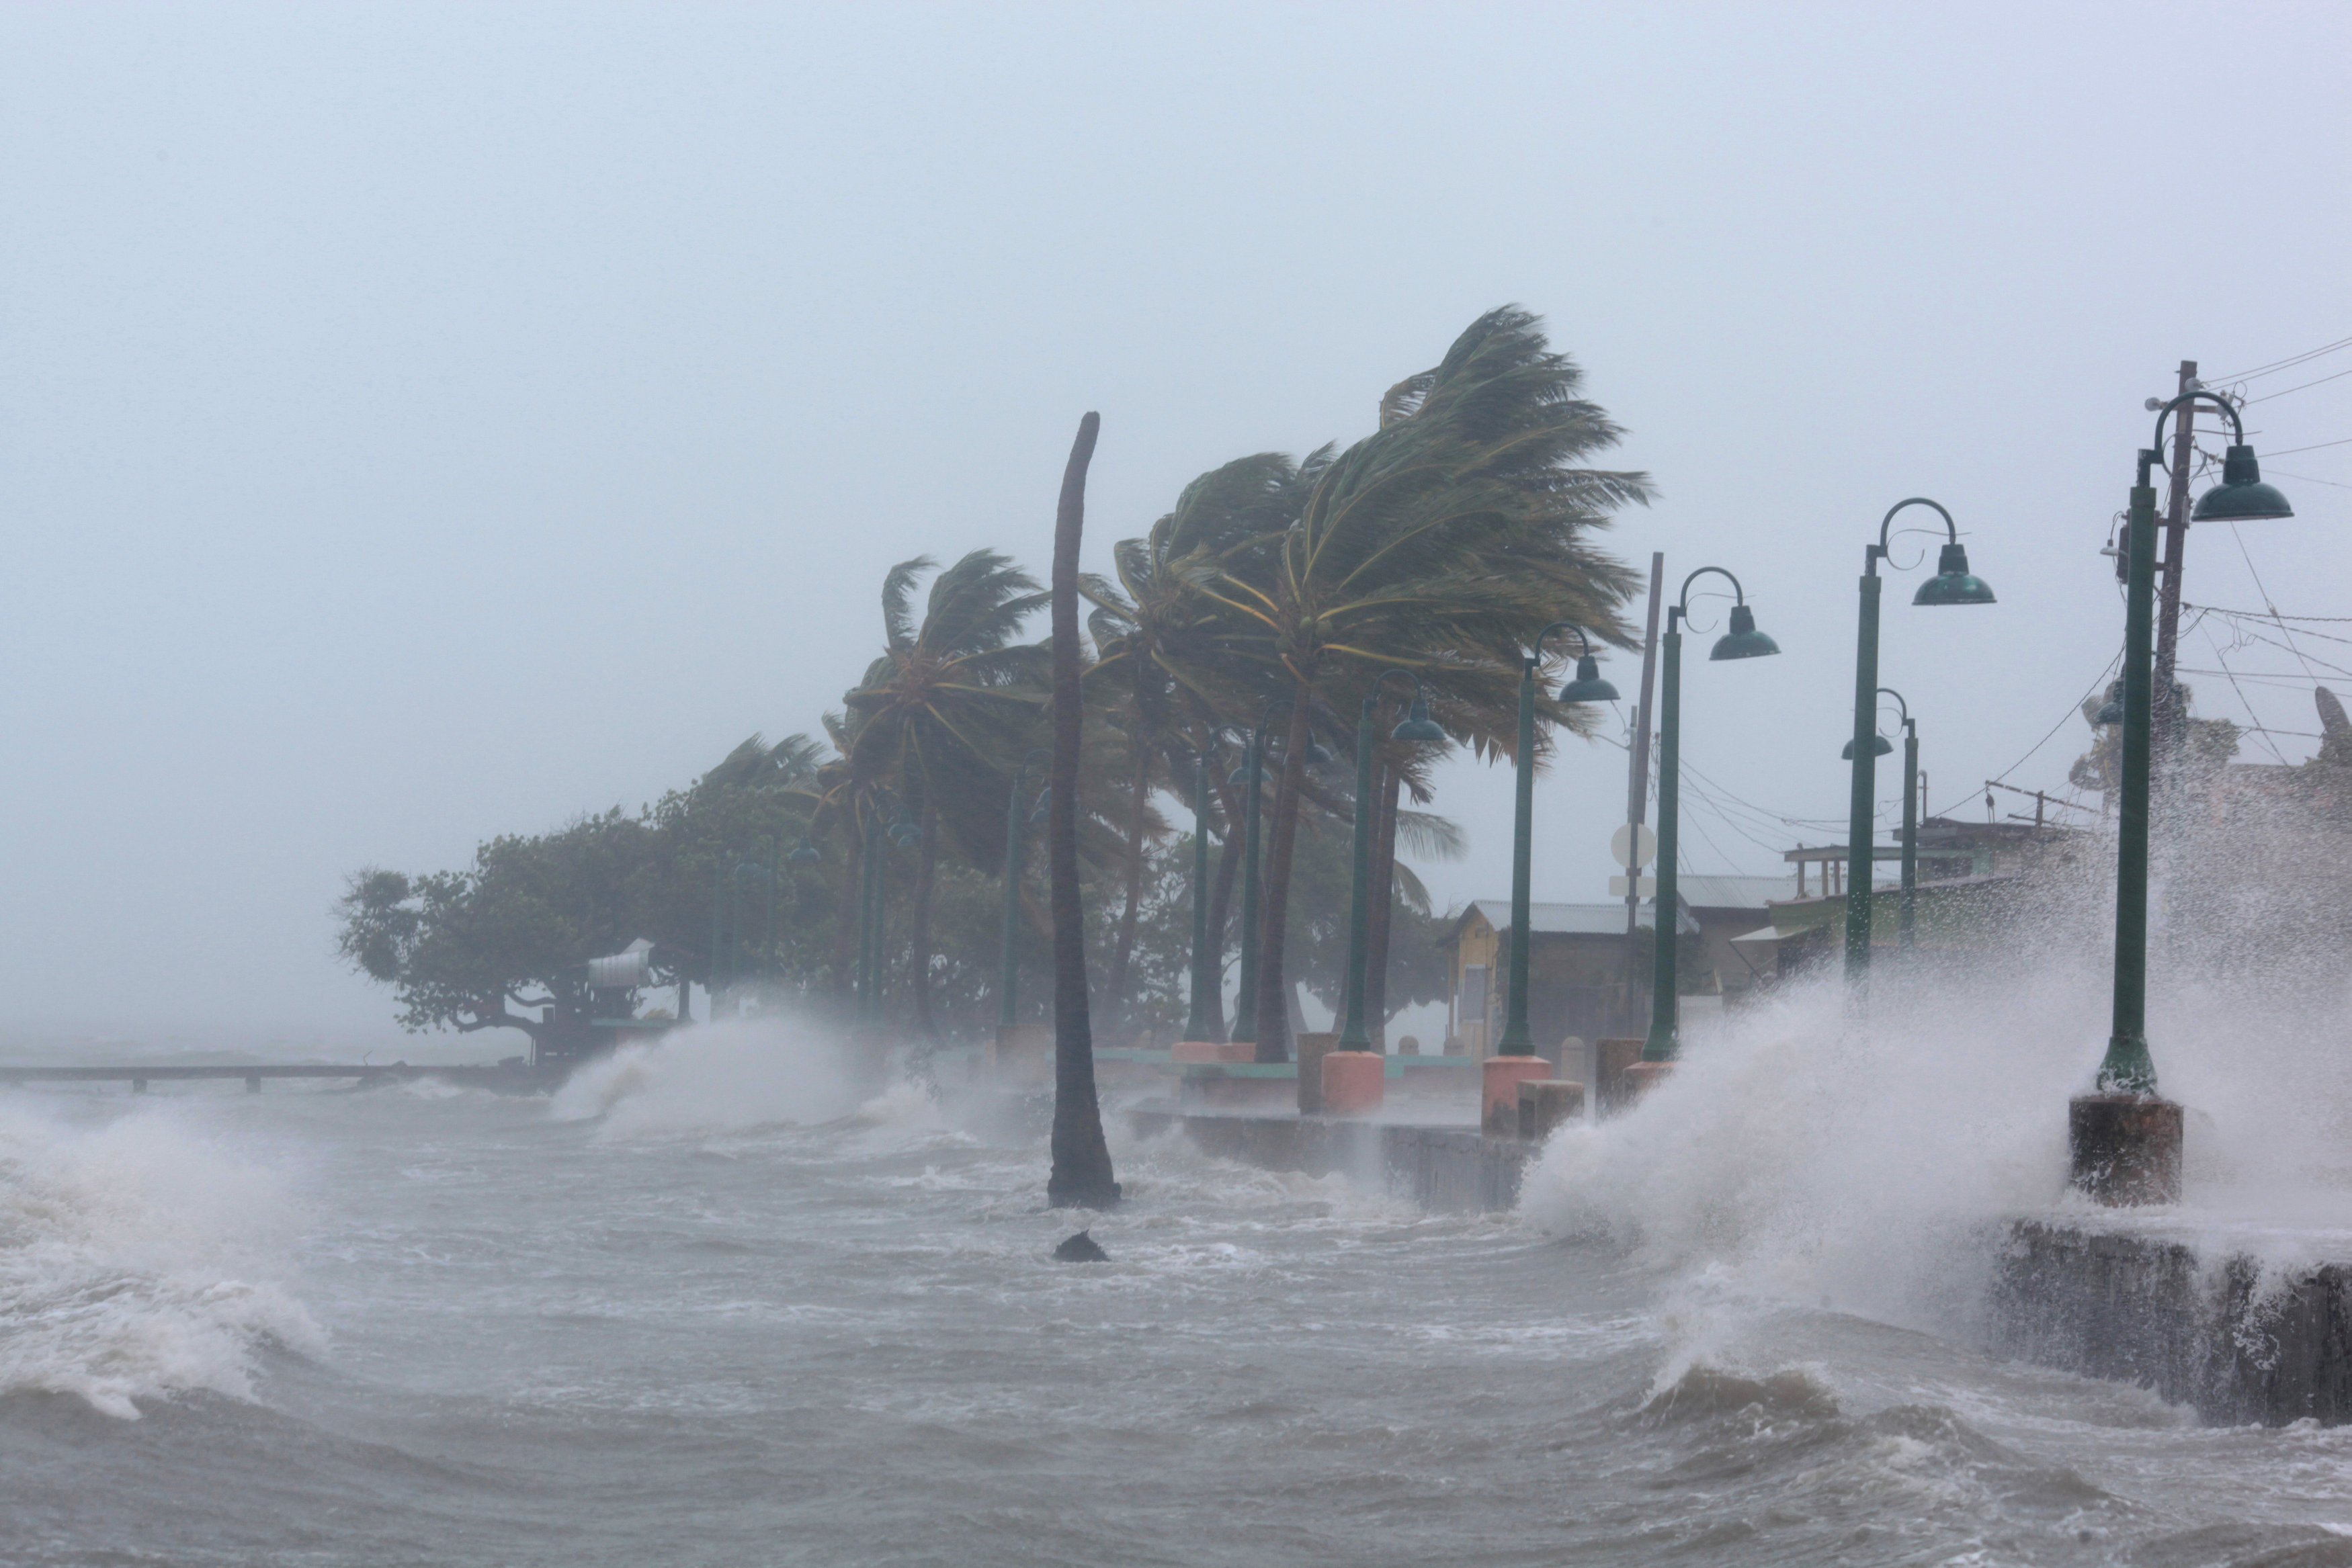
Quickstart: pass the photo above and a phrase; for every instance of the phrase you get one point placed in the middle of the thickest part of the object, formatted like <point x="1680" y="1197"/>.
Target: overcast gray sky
<point x="421" y="422"/>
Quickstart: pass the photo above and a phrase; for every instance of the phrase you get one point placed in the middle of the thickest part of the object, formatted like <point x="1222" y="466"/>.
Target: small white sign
<point x="1648" y="888"/>
<point x="1625" y="849"/>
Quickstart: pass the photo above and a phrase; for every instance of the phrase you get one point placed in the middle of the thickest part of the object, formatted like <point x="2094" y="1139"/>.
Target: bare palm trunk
<point x="1384" y="904"/>
<point x="848" y="915"/>
<point x="1274" y="903"/>
<point x="1122" y="952"/>
<point x="920" y="937"/>
<point x="1081" y="1172"/>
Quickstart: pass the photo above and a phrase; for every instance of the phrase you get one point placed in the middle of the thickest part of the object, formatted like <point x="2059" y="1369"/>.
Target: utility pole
<point x="2168" y="726"/>
<point x="1637" y="784"/>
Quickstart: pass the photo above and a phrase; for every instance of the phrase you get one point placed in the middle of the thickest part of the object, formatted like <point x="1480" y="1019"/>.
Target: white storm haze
<point x="422" y="422"/>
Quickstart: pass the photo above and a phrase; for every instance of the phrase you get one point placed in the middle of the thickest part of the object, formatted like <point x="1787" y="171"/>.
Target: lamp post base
<point x="1354" y="1082"/>
<point x="1499" y="1081"/>
<point x="2124" y="1149"/>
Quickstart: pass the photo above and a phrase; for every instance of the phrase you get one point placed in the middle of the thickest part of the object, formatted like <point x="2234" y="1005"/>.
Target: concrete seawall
<point x="2198" y="1320"/>
<point x="1446" y="1170"/>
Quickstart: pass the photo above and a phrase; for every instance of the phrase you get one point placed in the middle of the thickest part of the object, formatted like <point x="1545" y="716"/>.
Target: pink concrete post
<point x="1353" y="1082"/>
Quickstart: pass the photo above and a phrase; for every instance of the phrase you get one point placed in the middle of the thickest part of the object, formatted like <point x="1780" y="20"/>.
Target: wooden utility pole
<point x="2166" y="729"/>
<point x="1637" y="783"/>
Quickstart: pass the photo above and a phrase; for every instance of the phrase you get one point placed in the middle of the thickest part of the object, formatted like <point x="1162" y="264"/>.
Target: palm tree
<point x="1081" y="1173"/>
<point x="1157" y="674"/>
<point x="937" y="718"/>
<point x="1442" y="542"/>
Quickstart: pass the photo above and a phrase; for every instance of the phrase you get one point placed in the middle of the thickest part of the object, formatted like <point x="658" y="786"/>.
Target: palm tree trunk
<point x="1274" y="903"/>
<point x="1081" y="1172"/>
<point x="1122" y="952"/>
<point x="919" y="918"/>
<point x="1383" y="901"/>
<point x="849" y="915"/>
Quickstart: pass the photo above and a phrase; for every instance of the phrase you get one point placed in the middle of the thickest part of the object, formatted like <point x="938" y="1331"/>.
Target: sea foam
<point x="137" y="1261"/>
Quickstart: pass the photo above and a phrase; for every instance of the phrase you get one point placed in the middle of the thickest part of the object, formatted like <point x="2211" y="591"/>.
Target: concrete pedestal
<point x="1353" y="1082"/>
<point x="1313" y="1046"/>
<point x="1500" y="1077"/>
<point x="1640" y="1077"/>
<point x="1610" y="1057"/>
<point x="1546" y="1102"/>
<point x="2124" y="1149"/>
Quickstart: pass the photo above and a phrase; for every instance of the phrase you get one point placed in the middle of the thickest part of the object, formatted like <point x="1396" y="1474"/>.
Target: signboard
<point x="1633" y="844"/>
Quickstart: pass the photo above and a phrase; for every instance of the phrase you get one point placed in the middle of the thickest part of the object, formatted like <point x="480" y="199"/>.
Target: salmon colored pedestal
<point x="1353" y="1082"/>
<point x="1211" y="1050"/>
<point x="1500" y="1077"/>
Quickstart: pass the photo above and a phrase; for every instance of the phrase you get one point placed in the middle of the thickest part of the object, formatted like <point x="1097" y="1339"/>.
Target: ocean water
<point x="709" y="1306"/>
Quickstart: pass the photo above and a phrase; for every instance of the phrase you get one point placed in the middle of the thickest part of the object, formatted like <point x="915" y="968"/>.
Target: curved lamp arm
<point x="1951" y="529"/>
<point x="1373" y="696"/>
<point x="1583" y="643"/>
<point x="1899" y="702"/>
<point x="1682" y="600"/>
<point x="2237" y="425"/>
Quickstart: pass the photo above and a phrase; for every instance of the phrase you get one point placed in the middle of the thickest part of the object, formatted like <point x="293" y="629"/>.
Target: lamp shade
<point x="2112" y="710"/>
<point x="1241" y="775"/>
<point x="1879" y="747"/>
<point x="1953" y="582"/>
<point x="1588" y="687"/>
<point x="805" y="854"/>
<point x="1418" y="726"/>
<point x="1743" y="640"/>
<point x="1318" y="754"/>
<point x="2241" y="497"/>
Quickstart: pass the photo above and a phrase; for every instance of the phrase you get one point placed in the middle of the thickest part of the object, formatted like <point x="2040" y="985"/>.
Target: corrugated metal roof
<point x="1734" y="892"/>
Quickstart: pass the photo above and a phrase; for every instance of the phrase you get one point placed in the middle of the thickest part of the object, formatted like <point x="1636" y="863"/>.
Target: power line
<point x="2293" y="360"/>
<point x="2345" y="441"/>
<point x="2322" y="382"/>
<point x="2073" y="710"/>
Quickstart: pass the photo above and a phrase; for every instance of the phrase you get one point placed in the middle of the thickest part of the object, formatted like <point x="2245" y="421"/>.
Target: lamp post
<point x="1201" y="1024"/>
<point x="1952" y="584"/>
<point x="1742" y="642"/>
<point x="2125" y="1142"/>
<point x="1417" y="726"/>
<point x="1518" y="1039"/>
<point x="1008" y="971"/>
<point x="1880" y="746"/>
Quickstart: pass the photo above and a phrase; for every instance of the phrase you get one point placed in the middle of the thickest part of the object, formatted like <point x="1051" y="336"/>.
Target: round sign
<point x="1624" y="848"/>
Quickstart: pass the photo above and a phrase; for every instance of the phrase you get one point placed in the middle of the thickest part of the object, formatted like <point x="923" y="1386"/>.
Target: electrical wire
<point x="2293" y="360"/>
<point x="2073" y="710"/>
<point x="2345" y="441"/>
<point x="2322" y="382"/>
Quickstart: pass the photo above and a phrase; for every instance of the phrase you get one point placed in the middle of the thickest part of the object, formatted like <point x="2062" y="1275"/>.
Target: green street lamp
<point x="1587" y="687"/>
<point x="2241" y="496"/>
<point x="1202" y="1022"/>
<point x="1742" y="642"/>
<point x="1417" y="728"/>
<point x="1952" y="584"/>
<point x="1907" y="919"/>
<point x="1008" y="970"/>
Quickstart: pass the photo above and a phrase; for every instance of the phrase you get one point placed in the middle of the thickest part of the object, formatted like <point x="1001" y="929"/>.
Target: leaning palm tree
<point x="1440" y="543"/>
<point x="1156" y="677"/>
<point x="937" y="718"/>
